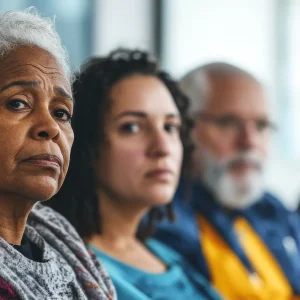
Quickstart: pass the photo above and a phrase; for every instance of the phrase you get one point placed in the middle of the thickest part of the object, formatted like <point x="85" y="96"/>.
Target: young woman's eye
<point x="63" y="115"/>
<point x="17" y="104"/>
<point x="130" y="128"/>
<point x="172" y="127"/>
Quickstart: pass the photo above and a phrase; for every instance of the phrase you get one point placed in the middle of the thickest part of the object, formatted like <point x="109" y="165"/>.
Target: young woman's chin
<point x="159" y="197"/>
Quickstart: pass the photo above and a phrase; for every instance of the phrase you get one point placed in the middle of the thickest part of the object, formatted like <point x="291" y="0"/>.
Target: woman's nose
<point x="45" y="127"/>
<point x="160" y="144"/>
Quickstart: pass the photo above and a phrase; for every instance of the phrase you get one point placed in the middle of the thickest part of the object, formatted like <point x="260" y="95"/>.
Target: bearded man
<point x="238" y="235"/>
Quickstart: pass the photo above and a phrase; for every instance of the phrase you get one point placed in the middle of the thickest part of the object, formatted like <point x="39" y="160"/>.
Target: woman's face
<point x="35" y="132"/>
<point x="140" y="161"/>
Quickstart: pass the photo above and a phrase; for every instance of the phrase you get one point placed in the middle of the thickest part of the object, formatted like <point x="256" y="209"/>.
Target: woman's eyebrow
<point x="173" y="116"/>
<point x="138" y="114"/>
<point x="141" y="114"/>
<point x="20" y="83"/>
<point x="59" y="91"/>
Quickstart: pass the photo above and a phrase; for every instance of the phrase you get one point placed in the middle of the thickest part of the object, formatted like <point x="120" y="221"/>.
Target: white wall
<point x="238" y="31"/>
<point x="294" y="73"/>
<point x="123" y="23"/>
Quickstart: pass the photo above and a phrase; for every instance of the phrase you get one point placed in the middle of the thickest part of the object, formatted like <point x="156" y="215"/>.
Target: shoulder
<point x="127" y="290"/>
<point x="185" y="216"/>
<point x="269" y="206"/>
<point x="170" y="256"/>
<point x="183" y="230"/>
<point x="124" y="278"/>
<point x="274" y="201"/>
<point x="61" y="236"/>
<point x="272" y="211"/>
<point x="113" y="266"/>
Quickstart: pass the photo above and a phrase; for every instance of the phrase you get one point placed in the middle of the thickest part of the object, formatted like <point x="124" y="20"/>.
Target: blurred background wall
<point x="261" y="36"/>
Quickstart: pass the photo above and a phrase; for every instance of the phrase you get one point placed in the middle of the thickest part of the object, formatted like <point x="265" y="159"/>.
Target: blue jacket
<point x="278" y="227"/>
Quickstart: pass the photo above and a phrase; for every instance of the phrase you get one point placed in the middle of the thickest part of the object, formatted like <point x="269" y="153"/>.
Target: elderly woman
<point x="131" y="130"/>
<point x="41" y="255"/>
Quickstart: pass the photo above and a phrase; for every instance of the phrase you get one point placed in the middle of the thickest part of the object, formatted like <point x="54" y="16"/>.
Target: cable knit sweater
<point x="67" y="270"/>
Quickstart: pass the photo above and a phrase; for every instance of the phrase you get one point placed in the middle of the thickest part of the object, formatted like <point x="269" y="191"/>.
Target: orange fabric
<point x="229" y="275"/>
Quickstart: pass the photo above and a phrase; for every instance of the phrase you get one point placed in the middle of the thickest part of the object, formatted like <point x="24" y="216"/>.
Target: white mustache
<point x="245" y="157"/>
<point x="230" y="191"/>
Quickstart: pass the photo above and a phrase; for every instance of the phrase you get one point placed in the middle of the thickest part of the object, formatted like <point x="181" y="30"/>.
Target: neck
<point x="119" y="224"/>
<point x="14" y="212"/>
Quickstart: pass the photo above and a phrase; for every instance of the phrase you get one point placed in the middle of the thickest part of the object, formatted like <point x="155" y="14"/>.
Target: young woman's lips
<point x="44" y="160"/>
<point x="163" y="175"/>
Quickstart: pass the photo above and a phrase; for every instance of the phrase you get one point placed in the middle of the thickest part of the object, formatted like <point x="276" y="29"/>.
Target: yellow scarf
<point x="229" y="275"/>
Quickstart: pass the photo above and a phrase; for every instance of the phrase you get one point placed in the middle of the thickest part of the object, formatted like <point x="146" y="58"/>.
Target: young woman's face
<point x="139" y="162"/>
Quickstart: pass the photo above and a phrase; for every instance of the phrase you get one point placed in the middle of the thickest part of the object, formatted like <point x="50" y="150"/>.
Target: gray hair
<point x="22" y="28"/>
<point x="195" y="84"/>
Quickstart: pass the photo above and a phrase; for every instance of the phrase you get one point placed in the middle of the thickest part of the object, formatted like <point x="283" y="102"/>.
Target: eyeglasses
<point x="233" y="125"/>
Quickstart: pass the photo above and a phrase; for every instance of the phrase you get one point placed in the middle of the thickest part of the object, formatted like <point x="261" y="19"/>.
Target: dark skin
<point x="35" y="135"/>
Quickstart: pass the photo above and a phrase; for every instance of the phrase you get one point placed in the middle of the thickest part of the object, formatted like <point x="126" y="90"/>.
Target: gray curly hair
<point x="21" y="28"/>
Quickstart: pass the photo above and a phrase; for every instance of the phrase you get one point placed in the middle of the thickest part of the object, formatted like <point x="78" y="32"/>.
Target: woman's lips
<point x="163" y="175"/>
<point x="44" y="160"/>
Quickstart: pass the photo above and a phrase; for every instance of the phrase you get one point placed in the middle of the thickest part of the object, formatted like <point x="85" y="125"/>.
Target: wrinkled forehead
<point x="30" y="61"/>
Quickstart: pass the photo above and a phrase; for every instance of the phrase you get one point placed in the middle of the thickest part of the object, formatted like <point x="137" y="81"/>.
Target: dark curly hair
<point x="77" y="200"/>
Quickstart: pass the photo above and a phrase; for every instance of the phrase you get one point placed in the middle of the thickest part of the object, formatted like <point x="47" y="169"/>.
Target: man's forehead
<point x="236" y="93"/>
<point x="231" y="82"/>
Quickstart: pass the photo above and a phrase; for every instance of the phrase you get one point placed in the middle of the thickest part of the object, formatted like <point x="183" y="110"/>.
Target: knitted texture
<point x="67" y="270"/>
<point x="7" y="291"/>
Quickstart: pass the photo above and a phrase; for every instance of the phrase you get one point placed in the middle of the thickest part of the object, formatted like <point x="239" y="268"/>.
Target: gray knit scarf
<point x="67" y="271"/>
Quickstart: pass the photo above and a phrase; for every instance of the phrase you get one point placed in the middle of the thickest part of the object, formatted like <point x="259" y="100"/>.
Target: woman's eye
<point x="172" y="127"/>
<point x="130" y="127"/>
<point x="63" y="115"/>
<point x="17" y="104"/>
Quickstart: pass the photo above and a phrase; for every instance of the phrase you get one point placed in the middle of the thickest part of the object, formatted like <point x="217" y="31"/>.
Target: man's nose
<point x="248" y="136"/>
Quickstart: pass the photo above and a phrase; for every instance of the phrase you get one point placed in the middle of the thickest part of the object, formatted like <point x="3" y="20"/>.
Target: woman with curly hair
<point x="131" y="135"/>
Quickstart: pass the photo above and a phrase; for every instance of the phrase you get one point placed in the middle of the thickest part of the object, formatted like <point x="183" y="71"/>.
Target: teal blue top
<point x="179" y="282"/>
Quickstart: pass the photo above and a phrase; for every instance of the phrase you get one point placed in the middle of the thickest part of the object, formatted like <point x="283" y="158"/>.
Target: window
<point x="73" y="22"/>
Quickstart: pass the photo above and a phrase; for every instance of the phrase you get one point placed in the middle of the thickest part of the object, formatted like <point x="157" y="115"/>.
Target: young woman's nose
<point x="160" y="143"/>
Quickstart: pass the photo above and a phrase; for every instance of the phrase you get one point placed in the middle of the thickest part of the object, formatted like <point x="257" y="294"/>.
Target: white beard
<point x="232" y="192"/>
